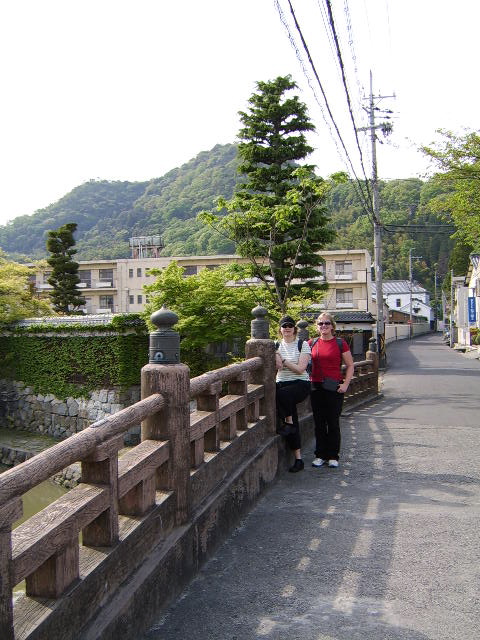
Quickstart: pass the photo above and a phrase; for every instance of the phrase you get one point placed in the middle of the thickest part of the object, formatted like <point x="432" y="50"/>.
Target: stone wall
<point x="21" y="408"/>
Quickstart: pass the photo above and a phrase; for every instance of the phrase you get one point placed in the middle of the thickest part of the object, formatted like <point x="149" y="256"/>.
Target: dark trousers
<point x="289" y="394"/>
<point x="326" y="409"/>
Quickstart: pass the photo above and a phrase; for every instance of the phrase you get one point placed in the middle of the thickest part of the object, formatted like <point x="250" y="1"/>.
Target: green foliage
<point x="16" y="298"/>
<point x="64" y="277"/>
<point x="49" y="361"/>
<point x="210" y="311"/>
<point x="405" y="203"/>
<point x="277" y="218"/>
<point x="458" y="159"/>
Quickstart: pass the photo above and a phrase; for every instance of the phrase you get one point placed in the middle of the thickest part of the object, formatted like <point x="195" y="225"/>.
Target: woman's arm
<point x="348" y="362"/>
<point x="299" y="368"/>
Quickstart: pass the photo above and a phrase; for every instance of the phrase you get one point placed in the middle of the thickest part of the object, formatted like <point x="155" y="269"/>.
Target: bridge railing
<point x="77" y="551"/>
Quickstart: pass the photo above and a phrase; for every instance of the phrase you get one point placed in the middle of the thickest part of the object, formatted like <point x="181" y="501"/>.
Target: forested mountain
<point x="109" y="213"/>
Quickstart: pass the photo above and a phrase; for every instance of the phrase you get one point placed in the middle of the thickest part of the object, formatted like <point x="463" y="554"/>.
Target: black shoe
<point x="285" y="429"/>
<point x="297" y="466"/>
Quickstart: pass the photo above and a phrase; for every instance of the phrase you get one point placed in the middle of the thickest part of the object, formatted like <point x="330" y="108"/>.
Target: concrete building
<point x="396" y="294"/>
<point x="116" y="286"/>
<point x="466" y="292"/>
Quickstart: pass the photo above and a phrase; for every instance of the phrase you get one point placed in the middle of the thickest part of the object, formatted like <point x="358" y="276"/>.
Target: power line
<point x="344" y="82"/>
<point x="366" y="203"/>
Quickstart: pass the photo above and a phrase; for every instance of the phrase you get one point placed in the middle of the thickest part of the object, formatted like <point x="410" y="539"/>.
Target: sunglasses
<point x="288" y="325"/>
<point x="326" y="323"/>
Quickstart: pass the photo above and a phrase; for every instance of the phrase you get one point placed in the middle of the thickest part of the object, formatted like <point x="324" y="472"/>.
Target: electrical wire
<point x="367" y="203"/>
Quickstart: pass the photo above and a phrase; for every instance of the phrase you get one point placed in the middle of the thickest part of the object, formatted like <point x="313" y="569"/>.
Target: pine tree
<point x="277" y="218"/>
<point x="64" y="277"/>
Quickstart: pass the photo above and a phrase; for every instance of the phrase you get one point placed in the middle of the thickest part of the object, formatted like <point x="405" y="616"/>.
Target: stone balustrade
<point x="101" y="560"/>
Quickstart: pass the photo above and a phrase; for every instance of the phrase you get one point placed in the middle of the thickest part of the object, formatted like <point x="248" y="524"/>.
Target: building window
<point x="106" y="275"/>
<point x="130" y="273"/>
<point x="139" y="272"/>
<point x="343" y="267"/>
<point x="344" y="295"/>
<point x="190" y="270"/>
<point x="106" y="302"/>
<point x="139" y="299"/>
<point x="398" y="302"/>
<point x="131" y="299"/>
<point x="85" y="276"/>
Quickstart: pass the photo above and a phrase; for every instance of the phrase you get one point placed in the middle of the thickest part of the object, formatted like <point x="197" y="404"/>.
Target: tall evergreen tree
<point x="64" y="277"/>
<point x="277" y="217"/>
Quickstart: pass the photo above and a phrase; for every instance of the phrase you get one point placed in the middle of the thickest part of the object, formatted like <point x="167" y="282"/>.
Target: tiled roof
<point x="344" y="316"/>
<point x="397" y="286"/>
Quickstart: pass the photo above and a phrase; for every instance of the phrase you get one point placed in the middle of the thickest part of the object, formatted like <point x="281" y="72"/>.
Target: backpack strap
<point x="340" y="346"/>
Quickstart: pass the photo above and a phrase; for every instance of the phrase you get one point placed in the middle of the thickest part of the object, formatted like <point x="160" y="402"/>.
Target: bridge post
<point x="9" y="512"/>
<point x="262" y="346"/>
<point x="302" y="327"/>
<point x="372" y="355"/>
<point x="164" y="374"/>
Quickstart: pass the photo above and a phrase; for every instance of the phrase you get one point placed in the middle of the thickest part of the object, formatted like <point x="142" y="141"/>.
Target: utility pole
<point x="411" y="286"/>
<point x="377" y="226"/>
<point x="435" y="310"/>
<point x="451" y="308"/>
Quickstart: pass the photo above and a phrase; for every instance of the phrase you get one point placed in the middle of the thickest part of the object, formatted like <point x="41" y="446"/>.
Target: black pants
<point x="326" y="408"/>
<point x="289" y="394"/>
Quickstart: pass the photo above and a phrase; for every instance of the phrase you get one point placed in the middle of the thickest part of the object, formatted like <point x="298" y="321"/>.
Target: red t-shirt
<point x="327" y="360"/>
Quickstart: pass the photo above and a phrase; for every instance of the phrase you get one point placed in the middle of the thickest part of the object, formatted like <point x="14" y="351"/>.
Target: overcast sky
<point x="129" y="89"/>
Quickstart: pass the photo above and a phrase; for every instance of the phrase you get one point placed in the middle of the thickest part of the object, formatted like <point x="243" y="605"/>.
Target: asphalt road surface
<point x="384" y="547"/>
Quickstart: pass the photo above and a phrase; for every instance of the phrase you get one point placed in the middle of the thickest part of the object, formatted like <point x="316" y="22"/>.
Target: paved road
<point x="383" y="548"/>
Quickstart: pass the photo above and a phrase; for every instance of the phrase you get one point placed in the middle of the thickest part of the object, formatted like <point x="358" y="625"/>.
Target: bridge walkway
<point x="383" y="548"/>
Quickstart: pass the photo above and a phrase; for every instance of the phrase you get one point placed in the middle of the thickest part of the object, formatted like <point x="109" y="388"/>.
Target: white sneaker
<point x="333" y="464"/>
<point x="318" y="462"/>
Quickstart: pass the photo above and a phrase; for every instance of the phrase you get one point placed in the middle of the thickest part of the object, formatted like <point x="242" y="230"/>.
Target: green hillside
<point x="109" y="213"/>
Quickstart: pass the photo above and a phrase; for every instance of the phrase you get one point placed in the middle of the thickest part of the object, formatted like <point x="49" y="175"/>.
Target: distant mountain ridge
<point x="108" y="213"/>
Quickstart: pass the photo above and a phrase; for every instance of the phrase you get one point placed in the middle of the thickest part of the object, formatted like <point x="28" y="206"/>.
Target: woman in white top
<point x="293" y="385"/>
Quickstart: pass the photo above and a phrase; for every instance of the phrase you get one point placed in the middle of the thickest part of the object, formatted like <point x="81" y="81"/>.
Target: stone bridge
<point x="104" y="559"/>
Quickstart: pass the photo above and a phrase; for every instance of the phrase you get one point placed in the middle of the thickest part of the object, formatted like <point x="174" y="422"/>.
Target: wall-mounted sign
<point x="472" y="312"/>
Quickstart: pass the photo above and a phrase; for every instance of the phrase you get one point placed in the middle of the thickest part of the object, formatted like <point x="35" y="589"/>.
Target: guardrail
<point x="78" y="552"/>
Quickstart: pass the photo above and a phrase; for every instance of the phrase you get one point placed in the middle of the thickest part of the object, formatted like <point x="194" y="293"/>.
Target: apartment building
<point x="116" y="286"/>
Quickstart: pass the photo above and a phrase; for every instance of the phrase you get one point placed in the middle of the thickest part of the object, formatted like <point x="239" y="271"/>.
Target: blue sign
<point x="472" y="312"/>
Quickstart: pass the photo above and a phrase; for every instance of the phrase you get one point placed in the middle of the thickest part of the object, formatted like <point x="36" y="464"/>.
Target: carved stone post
<point x="9" y="512"/>
<point x="172" y="422"/>
<point x="260" y="345"/>
<point x="302" y="330"/>
<point x="372" y="355"/>
<point x="102" y="468"/>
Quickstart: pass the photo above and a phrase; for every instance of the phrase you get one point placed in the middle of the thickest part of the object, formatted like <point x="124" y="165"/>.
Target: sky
<point x="130" y="89"/>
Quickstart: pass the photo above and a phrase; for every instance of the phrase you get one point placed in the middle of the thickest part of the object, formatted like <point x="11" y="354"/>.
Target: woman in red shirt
<point x="328" y="355"/>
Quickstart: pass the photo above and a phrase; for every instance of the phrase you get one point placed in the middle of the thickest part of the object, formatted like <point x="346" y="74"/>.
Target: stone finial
<point x="260" y="325"/>
<point x="372" y="345"/>
<point x="164" y="342"/>
<point x="302" y="330"/>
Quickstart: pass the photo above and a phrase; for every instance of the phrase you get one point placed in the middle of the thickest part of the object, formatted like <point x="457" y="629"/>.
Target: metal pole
<point x="451" y="308"/>
<point x="410" y="281"/>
